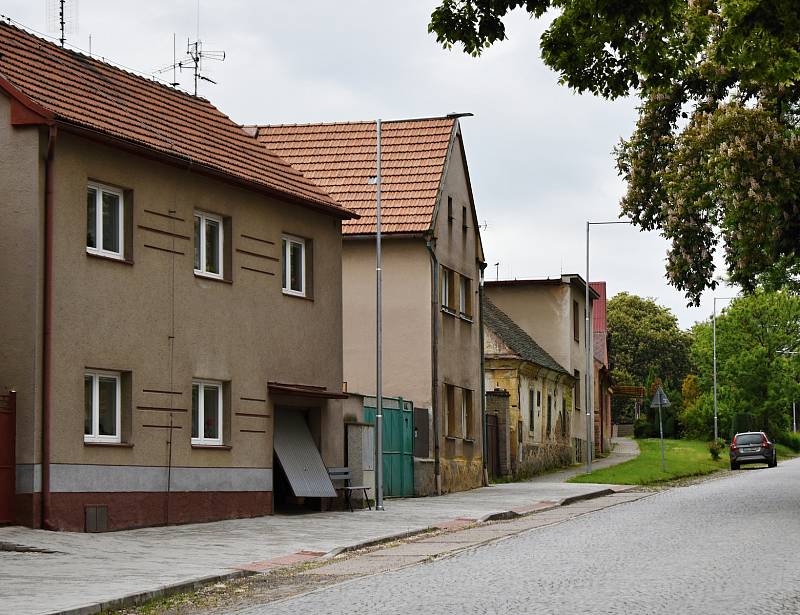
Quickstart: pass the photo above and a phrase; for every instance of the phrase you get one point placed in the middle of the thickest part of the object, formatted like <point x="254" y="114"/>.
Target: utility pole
<point x="378" y="332"/>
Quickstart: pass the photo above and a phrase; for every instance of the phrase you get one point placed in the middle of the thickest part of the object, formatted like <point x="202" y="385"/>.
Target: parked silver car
<point x="752" y="447"/>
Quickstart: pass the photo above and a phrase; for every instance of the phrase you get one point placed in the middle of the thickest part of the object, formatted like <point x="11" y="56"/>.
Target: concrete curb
<point x="165" y="591"/>
<point x="138" y="598"/>
<point x="586" y="496"/>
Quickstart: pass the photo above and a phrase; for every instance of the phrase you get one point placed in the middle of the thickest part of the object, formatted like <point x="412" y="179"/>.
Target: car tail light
<point x="764" y="442"/>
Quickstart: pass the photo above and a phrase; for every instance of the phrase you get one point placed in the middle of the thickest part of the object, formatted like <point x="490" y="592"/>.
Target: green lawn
<point x="784" y="452"/>
<point x="684" y="458"/>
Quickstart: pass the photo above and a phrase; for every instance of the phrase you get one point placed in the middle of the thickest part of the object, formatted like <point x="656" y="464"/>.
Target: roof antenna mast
<point x="62" y="17"/>
<point x="195" y="54"/>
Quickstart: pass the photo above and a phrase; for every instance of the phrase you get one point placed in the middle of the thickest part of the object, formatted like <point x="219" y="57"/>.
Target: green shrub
<point x="789" y="439"/>
<point x="716" y="447"/>
<point x="643" y="428"/>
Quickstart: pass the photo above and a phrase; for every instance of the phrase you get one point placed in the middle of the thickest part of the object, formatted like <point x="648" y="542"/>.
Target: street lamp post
<point x="714" y="327"/>
<point x="588" y="344"/>
<point x="378" y="331"/>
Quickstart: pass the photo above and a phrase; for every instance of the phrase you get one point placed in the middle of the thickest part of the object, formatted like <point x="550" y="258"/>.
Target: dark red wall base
<point x="27" y="509"/>
<point x="130" y="510"/>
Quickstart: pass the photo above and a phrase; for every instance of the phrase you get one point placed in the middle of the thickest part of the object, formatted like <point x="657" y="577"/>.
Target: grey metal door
<point x="299" y="457"/>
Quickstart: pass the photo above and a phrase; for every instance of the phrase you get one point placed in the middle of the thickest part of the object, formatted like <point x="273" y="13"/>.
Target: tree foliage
<point x="714" y="157"/>
<point x="757" y="368"/>
<point x="645" y="344"/>
<point x="646" y="341"/>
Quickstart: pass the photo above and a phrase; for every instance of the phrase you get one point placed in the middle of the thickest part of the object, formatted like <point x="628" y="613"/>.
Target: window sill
<point x="465" y="317"/>
<point x="108" y="257"/>
<point x="294" y="295"/>
<point x="450" y="438"/>
<point x="109" y="444"/>
<point x="216" y="447"/>
<point x="211" y="278"/>
<point x="449" y="311"/>
<point x="469" y="440"/>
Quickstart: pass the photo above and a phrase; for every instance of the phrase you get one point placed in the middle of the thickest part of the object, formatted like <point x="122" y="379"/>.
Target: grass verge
<point x="684" y="458"/>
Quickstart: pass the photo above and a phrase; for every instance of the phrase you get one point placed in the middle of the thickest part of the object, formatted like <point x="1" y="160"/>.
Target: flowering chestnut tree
<point x="714" y="160"/>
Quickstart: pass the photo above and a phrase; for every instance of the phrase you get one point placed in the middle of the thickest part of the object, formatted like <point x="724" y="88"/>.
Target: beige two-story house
<point x="552" y="311"/>
<point x="171" y="303"/>
<point x="431" y="268"/>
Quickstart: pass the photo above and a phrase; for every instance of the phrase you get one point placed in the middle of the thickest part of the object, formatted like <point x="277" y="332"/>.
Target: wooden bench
<point x="345" y="475"/>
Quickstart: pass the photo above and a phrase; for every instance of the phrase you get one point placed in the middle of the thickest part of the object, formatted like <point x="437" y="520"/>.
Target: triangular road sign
<point x="660" y="399"/>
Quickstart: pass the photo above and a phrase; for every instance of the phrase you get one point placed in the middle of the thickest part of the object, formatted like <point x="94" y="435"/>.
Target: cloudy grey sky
<point x="540" y="156"/>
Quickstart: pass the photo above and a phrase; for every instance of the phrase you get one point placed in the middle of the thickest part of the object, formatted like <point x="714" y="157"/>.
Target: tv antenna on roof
<point x="195" y="54"/>
<point x="62" y="17"/>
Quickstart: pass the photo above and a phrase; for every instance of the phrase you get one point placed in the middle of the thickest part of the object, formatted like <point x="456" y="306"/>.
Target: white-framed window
<point x="208" y="240"/>
<point x="102" y="406"/>
<point x="206" y="412"/>
<point x="445" y="284"/>
<point x="294" y="266"/>
<point x="105" y="220"/>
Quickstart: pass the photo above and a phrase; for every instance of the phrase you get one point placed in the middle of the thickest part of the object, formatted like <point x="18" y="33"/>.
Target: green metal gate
<point x="398" y="444"/>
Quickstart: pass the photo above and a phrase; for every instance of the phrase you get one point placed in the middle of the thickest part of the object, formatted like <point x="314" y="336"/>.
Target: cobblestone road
<point x="725" y="546"/>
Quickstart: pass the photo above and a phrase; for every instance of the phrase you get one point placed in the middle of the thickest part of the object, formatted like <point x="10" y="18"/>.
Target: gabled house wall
<point x="458" y="249"/>
<point x="20" y="291"/>
<point x="160" y="326"/>
<point x="406" y="288"/>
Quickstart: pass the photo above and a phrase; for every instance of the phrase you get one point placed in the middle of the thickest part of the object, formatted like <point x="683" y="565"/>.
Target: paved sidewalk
<point x="89" y="570"/>
<point x="624" y="450"/>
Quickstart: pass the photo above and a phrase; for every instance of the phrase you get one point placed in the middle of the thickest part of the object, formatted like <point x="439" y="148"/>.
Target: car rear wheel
<point x="734" y="465"/>
<point x="774" y="462"/>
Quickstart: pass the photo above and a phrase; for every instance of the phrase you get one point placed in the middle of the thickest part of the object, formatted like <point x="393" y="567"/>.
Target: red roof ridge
<point x="340" y="156"/>
<point x="355" y="122"/>
<point x="102" y="60"/>
<point x="91" y="94"/>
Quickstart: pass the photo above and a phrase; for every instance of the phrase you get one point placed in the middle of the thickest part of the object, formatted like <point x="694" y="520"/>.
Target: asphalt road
<point x="730" y="545"/>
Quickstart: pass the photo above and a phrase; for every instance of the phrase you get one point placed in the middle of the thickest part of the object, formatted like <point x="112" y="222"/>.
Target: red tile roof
<point x="341" y="158"/>
<point x="92" y="95"/>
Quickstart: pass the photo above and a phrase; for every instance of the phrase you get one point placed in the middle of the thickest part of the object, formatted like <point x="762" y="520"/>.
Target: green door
<point x="398" y="442"/>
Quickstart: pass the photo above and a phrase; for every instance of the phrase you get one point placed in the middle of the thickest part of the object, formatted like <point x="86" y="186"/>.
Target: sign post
<point x="660" y="401"/>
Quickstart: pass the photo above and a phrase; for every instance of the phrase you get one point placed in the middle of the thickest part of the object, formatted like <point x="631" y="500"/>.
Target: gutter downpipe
<point x="482" y="266"/>
<point x="47" y="327"/>
<point x="430" y="242"/>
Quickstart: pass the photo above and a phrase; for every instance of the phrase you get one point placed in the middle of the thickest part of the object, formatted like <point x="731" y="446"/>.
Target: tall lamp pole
<point x="714" y="327"/>
<point x="378" y="335"/>
<point x="589" y="346"/>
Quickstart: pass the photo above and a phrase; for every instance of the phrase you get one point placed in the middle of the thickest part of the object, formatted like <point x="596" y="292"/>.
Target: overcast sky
<point x="539" y="156"/>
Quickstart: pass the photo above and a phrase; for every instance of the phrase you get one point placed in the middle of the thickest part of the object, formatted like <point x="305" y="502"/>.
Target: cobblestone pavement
<point x="67" y="570"/>
<point x="726" y="546"/>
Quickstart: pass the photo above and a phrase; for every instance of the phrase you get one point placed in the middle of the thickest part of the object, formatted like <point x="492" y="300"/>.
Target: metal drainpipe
<point x="47" y="327"/>
<point x="429" y="243"/>
<point x="482" y="266"/>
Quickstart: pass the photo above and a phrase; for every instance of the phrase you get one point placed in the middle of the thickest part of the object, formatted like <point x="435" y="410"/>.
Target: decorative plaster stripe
<point x="80" y="478"/>
<point x="29" y="478"/>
